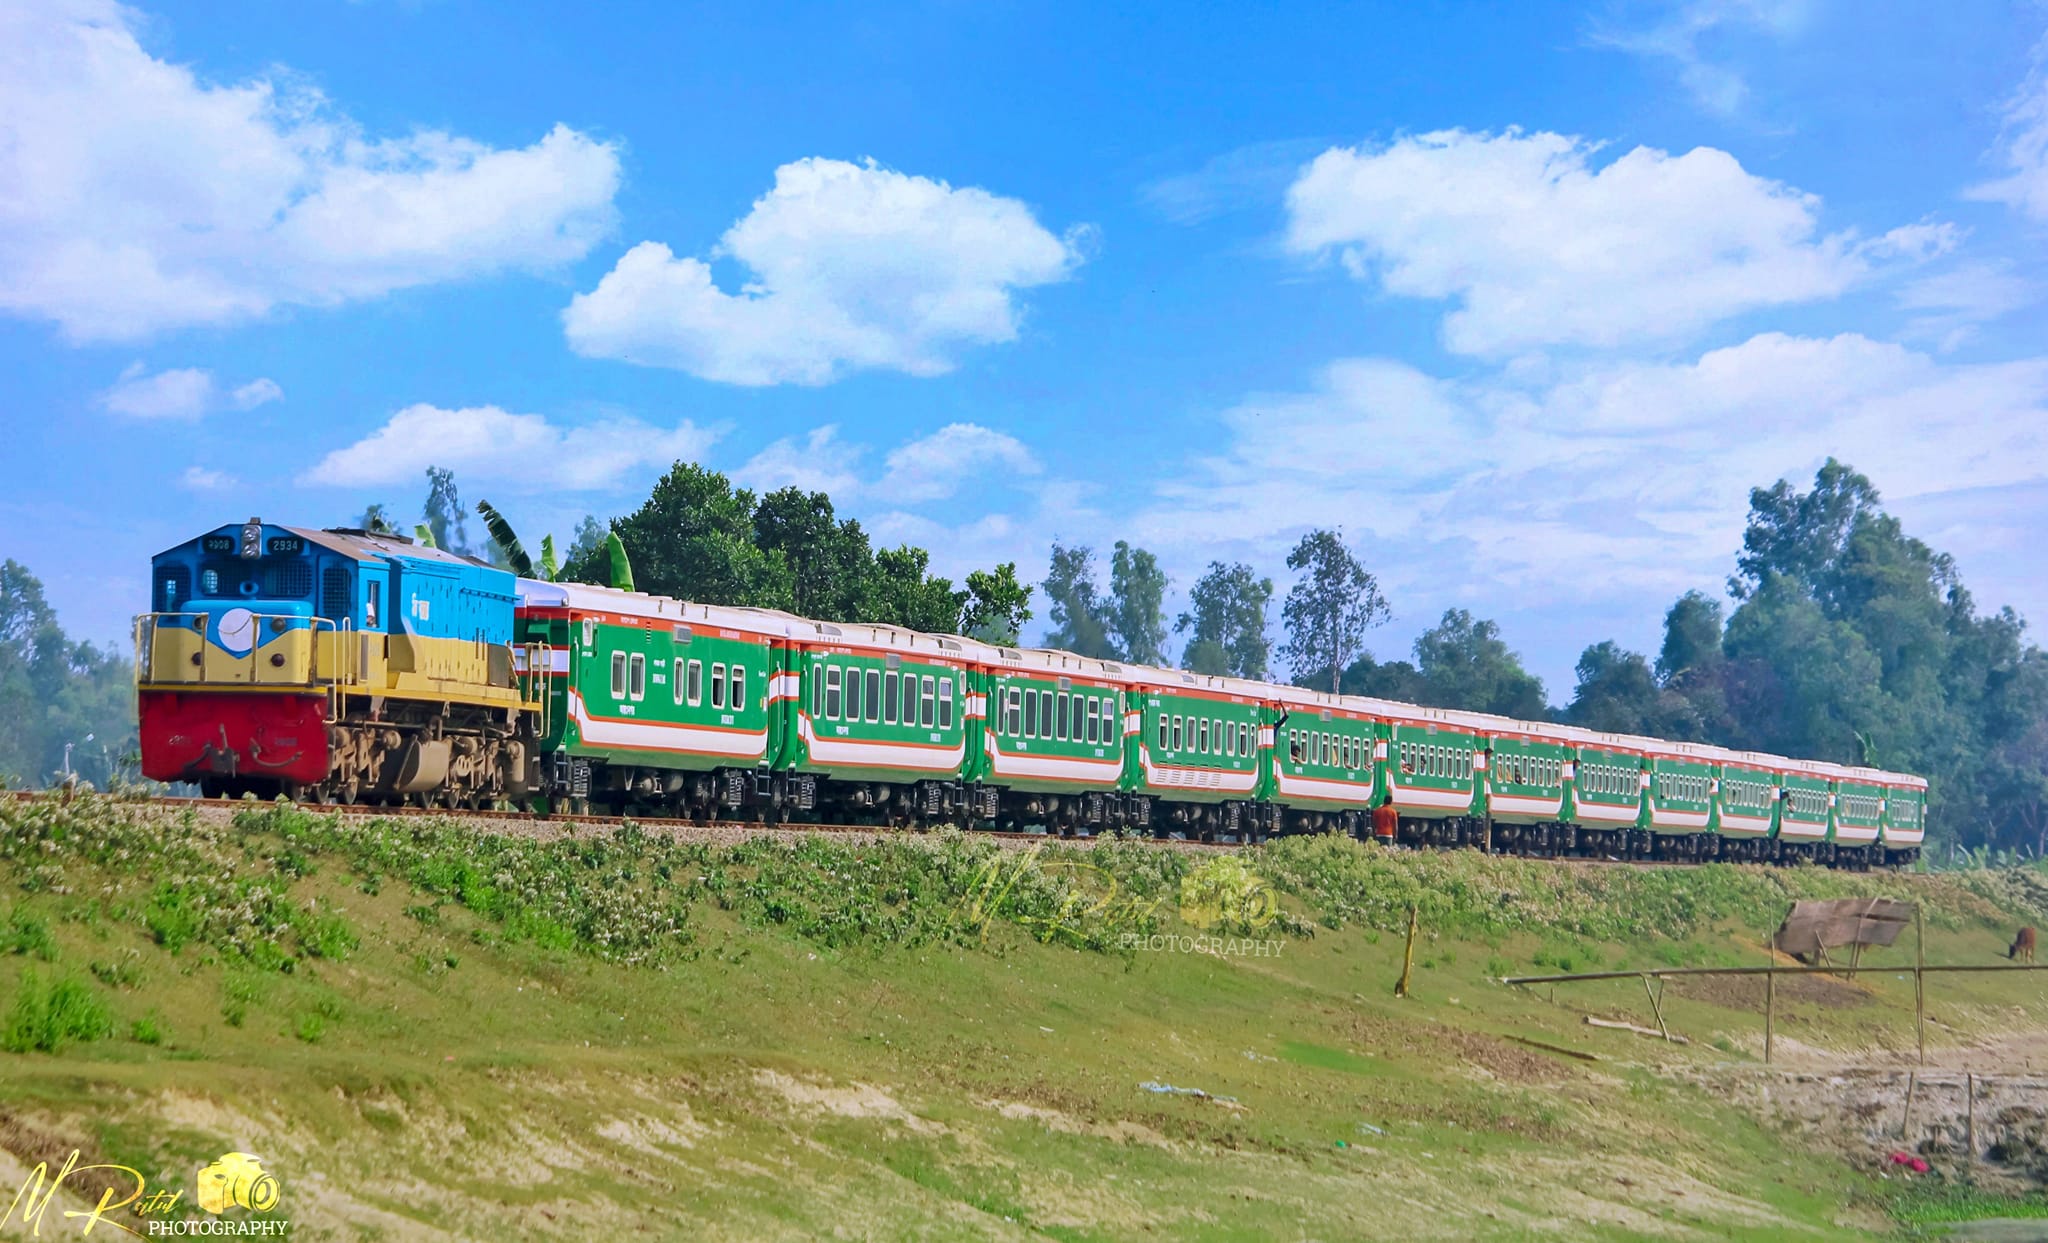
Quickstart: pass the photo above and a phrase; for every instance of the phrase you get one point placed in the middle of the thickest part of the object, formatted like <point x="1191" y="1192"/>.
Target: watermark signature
<point x="236" y="1181"/>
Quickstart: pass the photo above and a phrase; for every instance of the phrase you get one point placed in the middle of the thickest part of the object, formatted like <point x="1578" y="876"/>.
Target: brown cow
<point x="2022" y="945"/>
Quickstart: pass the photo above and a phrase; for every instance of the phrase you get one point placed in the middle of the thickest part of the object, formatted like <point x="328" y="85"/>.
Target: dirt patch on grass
<point x="1122" y="1130"/>
<point x="855" y="1100"/>
<point x="1746" y="992"/>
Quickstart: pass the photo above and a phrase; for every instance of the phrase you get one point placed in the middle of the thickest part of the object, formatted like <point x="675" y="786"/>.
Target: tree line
<point x="1849" y="640"/>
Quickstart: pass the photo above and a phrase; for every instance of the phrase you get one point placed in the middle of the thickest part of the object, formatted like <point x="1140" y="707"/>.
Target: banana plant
<point x="550" y="568"/>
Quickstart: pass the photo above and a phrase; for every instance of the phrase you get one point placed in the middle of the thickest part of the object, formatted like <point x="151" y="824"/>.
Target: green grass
<point x="623" y="1036"/>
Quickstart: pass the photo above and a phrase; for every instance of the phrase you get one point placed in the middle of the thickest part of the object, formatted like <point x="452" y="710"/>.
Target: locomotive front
<point x="235" y="663"/>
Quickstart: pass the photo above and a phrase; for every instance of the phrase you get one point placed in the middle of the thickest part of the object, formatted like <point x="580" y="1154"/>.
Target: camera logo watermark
<point x="126" y="1202"/>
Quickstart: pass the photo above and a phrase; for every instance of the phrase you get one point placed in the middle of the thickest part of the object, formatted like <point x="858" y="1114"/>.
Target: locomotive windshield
<point x="263" y="578"/>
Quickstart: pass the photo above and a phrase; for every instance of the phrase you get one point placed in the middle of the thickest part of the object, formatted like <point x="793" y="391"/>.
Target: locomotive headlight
<point x="277" y="625"/>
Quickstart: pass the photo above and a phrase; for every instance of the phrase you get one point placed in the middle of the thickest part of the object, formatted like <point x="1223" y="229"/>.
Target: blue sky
<point x="1525" y="298"/>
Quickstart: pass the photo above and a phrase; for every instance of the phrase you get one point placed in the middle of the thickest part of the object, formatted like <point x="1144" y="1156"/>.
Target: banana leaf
<point x="507" y="541"/>
<point x="622" y="569"/>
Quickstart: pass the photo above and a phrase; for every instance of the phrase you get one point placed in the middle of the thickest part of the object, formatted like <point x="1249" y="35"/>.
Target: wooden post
<point x="1970" y="1116"/>
<point x="1407" y="963"/>
<point x="1906" y="1123"/>
<point x="1920" y="983"/>
<point x="1770" y="1010"/>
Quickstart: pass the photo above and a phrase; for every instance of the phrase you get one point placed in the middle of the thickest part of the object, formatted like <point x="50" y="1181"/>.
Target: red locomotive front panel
<point x="213" y="737"/>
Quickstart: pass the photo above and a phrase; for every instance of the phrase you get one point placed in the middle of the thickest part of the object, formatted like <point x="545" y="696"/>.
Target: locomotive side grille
<point x="287" y="580"/>
<point x="334" y="593"/>
<point x="173" y="587"/>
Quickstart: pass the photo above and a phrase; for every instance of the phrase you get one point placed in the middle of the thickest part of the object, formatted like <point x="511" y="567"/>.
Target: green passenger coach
<point x="661" y="707"/>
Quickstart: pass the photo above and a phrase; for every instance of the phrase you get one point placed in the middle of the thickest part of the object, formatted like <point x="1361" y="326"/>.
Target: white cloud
<point x="2023" y="147"/>
<point x="820" y="462"/>
<point x="1617" y="478"/>
<point x="176" y="393"/>
<point x="519" y="450"/>
<point x="1539" y="247"/>
<point x="181" y="393"/>
<point x="136" y="196"/>
<point x="256" y="393"/>
<point x="200" y="479"/>
<point x="1954" y="302"/>
<point x="853" y="266"/>
<point x="935" y="466"/>
<point x="1715" y="84"/>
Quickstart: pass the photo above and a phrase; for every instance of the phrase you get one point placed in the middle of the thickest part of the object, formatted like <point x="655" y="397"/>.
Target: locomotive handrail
<point x="147" y="624"/>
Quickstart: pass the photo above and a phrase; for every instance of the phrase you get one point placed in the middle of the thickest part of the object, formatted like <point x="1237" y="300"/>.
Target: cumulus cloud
<point x="2023" y="147"/>
<point x="256" y="393"/>
<point x="181" y="393"/>
<point x="174" y="393"/>
<point x="135" y="196"/>
<point x="818" y="462"/>
<point x="521" y="450"/>
<point x="934" y="467"/>
<point x="1631" y="475"/>
<point x="200" y="479"/>
<point x="1538" y="246"/>
<point x="852" y="266"/>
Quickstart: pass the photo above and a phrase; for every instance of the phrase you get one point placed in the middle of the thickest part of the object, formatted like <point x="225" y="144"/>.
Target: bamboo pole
<point x="1657" y="1005"/>
<point x="1906" y="1123"/>
<point x="1408" y="962"/>
<point x="1970" y="1116"/>
<point x="1920" y="983"/>
<point x="1770" y="1011"/>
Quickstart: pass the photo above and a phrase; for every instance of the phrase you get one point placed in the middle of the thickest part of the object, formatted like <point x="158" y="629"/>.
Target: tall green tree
<point x="902" y="591"/>
<point x="444" y="513"/>
<point x="1465" y="664"/>
<point x="1692" y="636"/>
<point x="1137" y="605"/>
<point x="1227" y="618"/>
<point x="997" y="605"/>
<point x="1074" y="606"/>
<point x="829" y="561"/>
<point x="54" y="691"/>
<point x="1328" y="610"/>
<point x="1616" y="692"/>
<point x="693" y="539"/>
<point x="376" y="519"/>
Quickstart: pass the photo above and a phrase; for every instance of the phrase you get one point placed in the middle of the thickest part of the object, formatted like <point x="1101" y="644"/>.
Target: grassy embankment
<point x="423" y="1030"/>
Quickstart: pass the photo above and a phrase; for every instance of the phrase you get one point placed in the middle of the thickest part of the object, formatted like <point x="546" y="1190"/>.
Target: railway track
<point x="570" y="823"/>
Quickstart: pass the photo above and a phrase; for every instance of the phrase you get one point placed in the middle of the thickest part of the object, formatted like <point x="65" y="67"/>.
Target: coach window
<point x="737" y="697"/>
<point x="874" y="679"/>
<point x="1045" y="714"/>
<point x="946" y="702"/>
<point x="1201" y="731"/>
<point x="637" y="677"/>
<point x="1179" y="733"/>
<point x="1030" y="714"/>
<point x="718" y="690"/>
<point x="1014" y="715"/>
<point x="910" y="699"/>
<point x="1091" y="727"/>
<point x="675" y="682"/>
<point x="817" y="688"/>
<point x="852" y="694"/>
<point x="1229" y="739"/>
<point x="831" y="691"/>
<point x="930" y="701"/>
<point x="618" y="675"/>
<point x="1164" y="738"/>
<point x="889" y="698"/>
